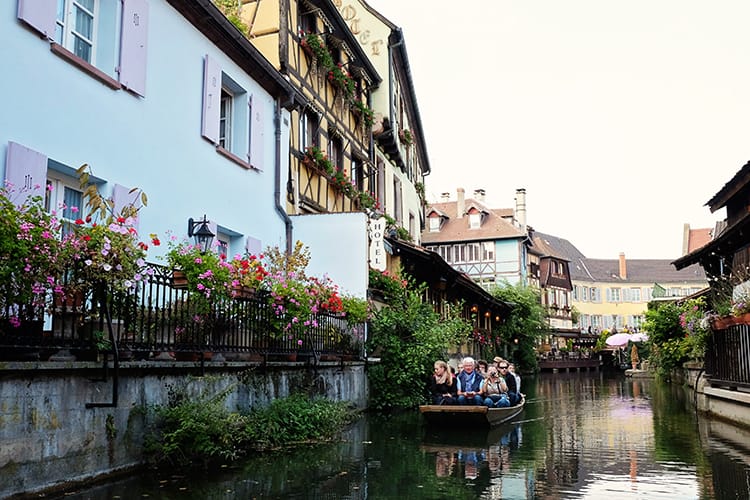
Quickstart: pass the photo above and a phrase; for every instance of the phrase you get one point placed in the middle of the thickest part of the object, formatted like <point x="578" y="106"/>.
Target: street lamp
<point x="203" y="235"/>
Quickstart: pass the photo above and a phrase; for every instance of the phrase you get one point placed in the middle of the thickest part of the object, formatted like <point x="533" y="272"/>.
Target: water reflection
<point x="580" y="436"/>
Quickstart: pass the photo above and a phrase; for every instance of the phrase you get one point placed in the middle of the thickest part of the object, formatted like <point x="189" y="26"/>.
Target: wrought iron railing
<point x="156" y="320"/>
<point x="727" y="361"/>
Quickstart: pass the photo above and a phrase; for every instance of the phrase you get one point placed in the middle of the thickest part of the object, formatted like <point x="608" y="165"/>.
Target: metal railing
<point x="157" y="318"/>
<point x="727" y="361"/>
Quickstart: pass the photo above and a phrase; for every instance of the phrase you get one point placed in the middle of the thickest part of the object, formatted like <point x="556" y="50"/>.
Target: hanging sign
<point x="376" y="230"/>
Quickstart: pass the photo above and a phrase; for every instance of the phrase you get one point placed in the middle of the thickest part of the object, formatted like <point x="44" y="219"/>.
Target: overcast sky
<point x="621" y="119"/>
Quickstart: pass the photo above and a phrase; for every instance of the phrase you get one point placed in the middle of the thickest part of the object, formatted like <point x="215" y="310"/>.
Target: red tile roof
<point x="493" y="227"/>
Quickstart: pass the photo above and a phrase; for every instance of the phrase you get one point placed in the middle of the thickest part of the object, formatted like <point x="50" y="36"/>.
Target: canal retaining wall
<point x="49" y="438"/>
<point x="729" y="404"/>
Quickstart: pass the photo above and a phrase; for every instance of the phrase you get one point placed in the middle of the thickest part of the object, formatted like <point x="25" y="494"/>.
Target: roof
<point x="453" y="229"/>
<point x="431" y="264"/>
<point x="730" y="189"/>
<point x="209" y="20"/>
<point x="608" y="270"/>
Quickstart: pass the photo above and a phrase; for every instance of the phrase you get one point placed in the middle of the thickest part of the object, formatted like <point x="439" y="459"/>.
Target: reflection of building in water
<point x="593" y="433"/>
<point x="444" y="464"/>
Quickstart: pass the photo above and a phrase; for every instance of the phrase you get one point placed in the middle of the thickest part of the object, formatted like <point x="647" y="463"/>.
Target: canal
<point x="588" y="435"/>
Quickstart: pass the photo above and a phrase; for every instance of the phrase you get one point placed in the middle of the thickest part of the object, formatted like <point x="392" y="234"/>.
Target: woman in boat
<point x="442" y="385"/>
<point x="495" y="390"/>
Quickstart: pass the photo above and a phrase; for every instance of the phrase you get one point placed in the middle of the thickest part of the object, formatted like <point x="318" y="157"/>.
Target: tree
<point x="525" y="324"/>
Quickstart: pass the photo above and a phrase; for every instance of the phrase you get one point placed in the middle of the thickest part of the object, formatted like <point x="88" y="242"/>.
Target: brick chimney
<point x="521" y="208"/>
<point x="623" y="267"/>
<point x="479" y="194"/>
<point x="460" y="203"/>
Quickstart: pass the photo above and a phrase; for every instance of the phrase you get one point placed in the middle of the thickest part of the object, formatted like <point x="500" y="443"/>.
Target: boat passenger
<point x="495" y="390"/>
<point x="510" y="380"/>
<point x="482" y="367"/>
<point x="512" y="369"/>
<point x="469" y="384"/>
<point x="442" y="385"/>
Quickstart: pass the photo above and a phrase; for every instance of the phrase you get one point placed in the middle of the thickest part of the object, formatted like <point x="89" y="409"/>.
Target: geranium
<point x="694" y="320"/>
<point x="107" y="253"/>
<point x="247" y="271"/>
<point x="30" y="263"/>
<point x="208" y="274"/>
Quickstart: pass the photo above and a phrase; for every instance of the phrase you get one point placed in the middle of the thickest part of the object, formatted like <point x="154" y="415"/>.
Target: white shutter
<point x="211" y="100"/>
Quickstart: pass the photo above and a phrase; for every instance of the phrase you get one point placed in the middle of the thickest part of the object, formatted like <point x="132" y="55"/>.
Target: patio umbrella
<point x="639" y="337"/>
<point x="618" y="339"/>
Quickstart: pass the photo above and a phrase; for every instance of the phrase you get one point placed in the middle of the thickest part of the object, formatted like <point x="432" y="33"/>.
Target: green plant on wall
<point x="231" y="9"/>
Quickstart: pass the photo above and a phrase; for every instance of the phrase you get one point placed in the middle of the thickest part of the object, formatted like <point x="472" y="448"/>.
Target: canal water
<point x="588" y="435"/>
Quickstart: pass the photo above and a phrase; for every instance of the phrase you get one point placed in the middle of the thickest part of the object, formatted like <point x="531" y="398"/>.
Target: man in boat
<point x="469" y="383"/>
<point x="510" y="381"/>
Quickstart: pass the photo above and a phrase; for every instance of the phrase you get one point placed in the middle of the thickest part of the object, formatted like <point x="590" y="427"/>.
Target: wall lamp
<point x="203" y="235"/>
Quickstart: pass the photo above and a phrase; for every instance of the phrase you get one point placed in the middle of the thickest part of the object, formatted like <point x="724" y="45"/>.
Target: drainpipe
<point x="277" y="178"/>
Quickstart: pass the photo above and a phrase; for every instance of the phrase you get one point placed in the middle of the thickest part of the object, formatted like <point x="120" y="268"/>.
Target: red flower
<point x="79" y="221"/>
<point x="155" y="242"/>
<point x="121" y="219"/>
<point x="86" y="237"/>
<point x="142" y="245"/>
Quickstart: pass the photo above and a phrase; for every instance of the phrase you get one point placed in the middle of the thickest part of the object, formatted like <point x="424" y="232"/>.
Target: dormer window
<point x="434" y="224"/>
<point x="475" y="220"/>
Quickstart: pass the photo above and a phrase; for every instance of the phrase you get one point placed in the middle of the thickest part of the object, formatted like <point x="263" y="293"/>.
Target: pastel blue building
<point x="161" y="96"/>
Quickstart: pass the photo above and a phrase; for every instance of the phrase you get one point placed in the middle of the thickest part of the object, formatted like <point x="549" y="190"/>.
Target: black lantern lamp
<point x="203" y="235"/>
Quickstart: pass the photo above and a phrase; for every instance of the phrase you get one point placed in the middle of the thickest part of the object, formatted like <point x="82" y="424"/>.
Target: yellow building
<point x="614" y="293"/>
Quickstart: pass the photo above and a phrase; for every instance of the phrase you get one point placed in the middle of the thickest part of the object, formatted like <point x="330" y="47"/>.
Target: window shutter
<point x="255" y="154"/>
<point x="40" y="15"/>
<point x="133" y="45"/>
<point x="211" y="100"/>
<point x="253" y="246"/>
<point x="122" y="197"/>
<point x="25" y="173"/>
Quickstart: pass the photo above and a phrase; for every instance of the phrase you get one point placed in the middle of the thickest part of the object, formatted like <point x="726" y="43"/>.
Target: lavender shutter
<point x="122" y="197"/>
<point x="40" y="15"/>
<point x="25" y="173"/>
<point x="211" y="100"/>
<point x="133" y="45"/>
<point x="252" y="245"/>
<point x="255" y="154"/>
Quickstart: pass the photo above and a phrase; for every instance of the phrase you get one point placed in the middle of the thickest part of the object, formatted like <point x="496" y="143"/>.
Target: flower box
<point x="179" y="279"/>
<point x="243" y="292"/>
<point x="724" y="322"/>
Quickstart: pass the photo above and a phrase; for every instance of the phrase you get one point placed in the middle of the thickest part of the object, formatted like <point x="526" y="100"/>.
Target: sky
<point x="621" y="119"/>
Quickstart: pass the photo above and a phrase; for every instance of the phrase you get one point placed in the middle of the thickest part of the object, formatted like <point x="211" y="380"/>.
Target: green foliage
<point x="409" y="336"/>
<point x="663" y="322"/>
<point x="526" y="322"/>
<point x="356" y="309"/>
<point x="231" y="9"/>
<point x="391" y="284"/>
<point x="191" y="430"/>
<point x="296" y="419"/>
<point x="196" y="429"/>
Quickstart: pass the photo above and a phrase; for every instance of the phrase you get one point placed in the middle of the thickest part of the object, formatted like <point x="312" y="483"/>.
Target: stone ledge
<point x="737" y="396"/>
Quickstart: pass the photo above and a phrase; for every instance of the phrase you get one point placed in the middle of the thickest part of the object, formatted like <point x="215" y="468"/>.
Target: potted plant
<point x="207" y="274"/>
<point x="406" y="137"/>
<point x="634" y="358"/>
<point x="359" y="108"/>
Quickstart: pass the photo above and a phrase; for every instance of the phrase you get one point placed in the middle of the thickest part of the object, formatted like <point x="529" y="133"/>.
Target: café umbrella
<point x="621" y="339"/>
<point x="618" y="339"/>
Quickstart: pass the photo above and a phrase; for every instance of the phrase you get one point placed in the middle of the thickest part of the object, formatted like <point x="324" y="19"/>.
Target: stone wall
<point x="50" y="438"/>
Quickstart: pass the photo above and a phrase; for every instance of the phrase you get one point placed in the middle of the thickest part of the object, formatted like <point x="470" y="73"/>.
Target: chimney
<point x="521" y="208"/>
<point x="685" y="238"/>
<point x="445" y="196"/>
<point x="623" y="267"/>
<point x="460" y="203"/>
<point x="479" y="195"/>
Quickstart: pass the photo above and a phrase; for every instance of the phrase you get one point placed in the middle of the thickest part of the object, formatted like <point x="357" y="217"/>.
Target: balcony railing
<point x="156" y="320"/>
<point x="727" y="360"/>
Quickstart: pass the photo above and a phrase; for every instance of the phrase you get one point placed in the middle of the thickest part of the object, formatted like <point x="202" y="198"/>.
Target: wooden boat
<point x="479" y="416"/>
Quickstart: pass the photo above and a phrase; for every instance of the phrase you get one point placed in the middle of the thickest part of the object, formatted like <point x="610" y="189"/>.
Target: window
<point x="225" y="120"/>
<point x="434" y="224"/>
<point x="106" y="39"/>
<point x="613" y="295"/>
<point x="231" y="118"/>
<point x="358" y="174"/>
<point x="335" y="151"/>
<point x="76" y="21"/>
<point x="488" y="251"/>
<point x="475" y="220"/>
<point x="308" y="129"/>
<point x="397" y="197"/>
